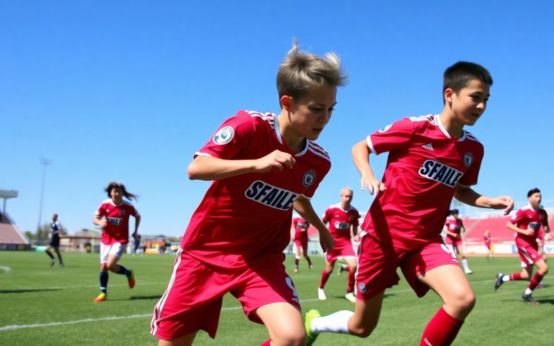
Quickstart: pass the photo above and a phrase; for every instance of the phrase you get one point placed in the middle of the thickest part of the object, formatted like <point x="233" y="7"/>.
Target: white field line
<point x="5" y="269"/>
<point x="149" y="315"/>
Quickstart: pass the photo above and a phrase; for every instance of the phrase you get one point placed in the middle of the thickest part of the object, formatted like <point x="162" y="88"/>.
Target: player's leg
<point x="59" y="254"/>
<point x="117" y="250"/>
<point x="297" y="256"/>
<point x="283" y="322"/>
<point x="306" y="255"/>
<point x="352" y="263"/>
<point x="460" y="250"/>
<point x="450" y="283"/>
<point x="329" y="265"/>
<point x="181" y="341"/>
<point x="542" y="270"/>
<point x="49" y="253"/>
<point x="360" y="323"/>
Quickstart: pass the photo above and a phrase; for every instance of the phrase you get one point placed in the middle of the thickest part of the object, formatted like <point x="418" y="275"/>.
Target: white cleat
<point x="350" y="297"/>
<point x="468" y="271"/>
<point x="321" y="294"/>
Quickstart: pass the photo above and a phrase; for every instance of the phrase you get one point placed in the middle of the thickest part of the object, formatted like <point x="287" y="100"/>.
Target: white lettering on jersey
<point x="272" y="196"/>
<point x="440" y="172"/>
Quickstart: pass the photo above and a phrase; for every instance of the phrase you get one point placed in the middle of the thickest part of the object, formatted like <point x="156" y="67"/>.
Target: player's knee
<point x="362" y="331"/>
<point x="289" y="338"/>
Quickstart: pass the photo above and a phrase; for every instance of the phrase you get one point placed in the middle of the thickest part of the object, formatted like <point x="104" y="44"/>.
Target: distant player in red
<point x="263" y="166"/>
<point x="454" y="228"/>
<point x="342" y="219"/>
<point x="487" y="239"/>
<point x="431" y="159"/>
<point x="527" y="223"/>
<point x="113" y="216"/>
<point x="300" y="238"/>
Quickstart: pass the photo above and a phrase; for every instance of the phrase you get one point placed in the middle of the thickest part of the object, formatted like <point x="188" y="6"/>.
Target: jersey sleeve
<point x="101" y="211"/>
<point x="517" y="217"/>
<point x="392" y="137"/>
<point x="327" y="215"/>
<point x="230" y="138"/>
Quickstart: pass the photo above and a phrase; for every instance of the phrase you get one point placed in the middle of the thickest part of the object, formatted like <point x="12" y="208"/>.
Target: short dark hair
<point x="533" y="191"/>
<point x="454" y="211"/>
<point x="457" y="76"/>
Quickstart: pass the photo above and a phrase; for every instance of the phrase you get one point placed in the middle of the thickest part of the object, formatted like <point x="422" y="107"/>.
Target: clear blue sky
<point x="129" y="90"/>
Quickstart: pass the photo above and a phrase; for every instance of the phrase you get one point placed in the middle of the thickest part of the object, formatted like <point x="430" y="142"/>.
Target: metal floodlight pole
<point x="44" y="163"/>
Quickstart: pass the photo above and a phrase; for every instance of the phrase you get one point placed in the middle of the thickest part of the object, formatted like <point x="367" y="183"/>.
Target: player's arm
<point x="353" y="231"/>
<point x="137" y="223"/>
<point x="212" y="168"/>
<point x="99" y="220"/>
<point x="360" y="155"/>
<point x="304" y="207"/>
<point x="516" y="229"/>
<point x="452" y="234"/>
<point x="468" y="196"/>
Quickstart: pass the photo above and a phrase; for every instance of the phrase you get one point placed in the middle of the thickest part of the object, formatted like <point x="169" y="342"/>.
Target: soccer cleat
<point x="468" y="271"/>
<point x="350" y="297"/>
<point x="131" y="279"/>
<point x="310" y="335"/>
<point x="52" y="263"/>
<point x="499" y="281"/>
<point x="321" y="294"/>
<point x="528" y="298"/>
<point x="101" y="298"/>
<point x="295" y="270"/>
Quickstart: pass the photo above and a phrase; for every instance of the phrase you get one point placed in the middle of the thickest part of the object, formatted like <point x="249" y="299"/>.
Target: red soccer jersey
<point x="300" y="229"/>
<point x="117" y="230"/>
<point x="487" y="239"/>
<point x="454" y="225"/>
<point x="247" y="218"/>
<point x="527" y="217"/>
<point x="424" y="166"/>
<point x="340" y="221"/>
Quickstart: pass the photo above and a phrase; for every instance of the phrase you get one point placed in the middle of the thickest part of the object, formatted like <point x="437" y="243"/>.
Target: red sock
<point x="351" y="279"/>
<point x="441" y="330"/>
<point x="324" y="278"/>
<point x="515" y="276"/>
<point x="535" y="280"/>
<point x="266" y="343"/>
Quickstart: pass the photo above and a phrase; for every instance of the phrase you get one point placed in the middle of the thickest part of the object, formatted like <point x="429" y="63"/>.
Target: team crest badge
<point x="468" y="159"/>
<point x="224" y="135"/>
<point x="362" y="287"/>
<point x="308" y="179"/>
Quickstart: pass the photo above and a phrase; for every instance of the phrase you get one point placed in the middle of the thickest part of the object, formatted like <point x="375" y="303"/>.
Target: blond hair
<point x="301" y="72"/>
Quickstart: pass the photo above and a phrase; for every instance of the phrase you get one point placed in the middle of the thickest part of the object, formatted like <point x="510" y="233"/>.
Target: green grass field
<point x="53" y="306"/>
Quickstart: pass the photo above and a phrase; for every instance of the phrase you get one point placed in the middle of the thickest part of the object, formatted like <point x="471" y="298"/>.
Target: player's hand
<point x="503" y="202"/>
<point x="103" y="223"/>
<point x="373" y="185"/>
<point x="529" y="231"/>
<point x="326" y="241"/>
<point x="275" y="160"/>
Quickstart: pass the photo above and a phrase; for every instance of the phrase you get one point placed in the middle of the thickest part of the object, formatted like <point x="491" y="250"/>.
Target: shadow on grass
<point x="155" y="296"/>
<point x="29" y="290"/>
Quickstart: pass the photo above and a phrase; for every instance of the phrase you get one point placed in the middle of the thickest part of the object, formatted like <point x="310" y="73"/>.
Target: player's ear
<point x="448" y="93"/>
<point x="286" y="101"/>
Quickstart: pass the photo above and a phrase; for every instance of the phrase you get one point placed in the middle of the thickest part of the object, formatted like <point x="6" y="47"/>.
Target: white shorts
<point x="115" y="249"/>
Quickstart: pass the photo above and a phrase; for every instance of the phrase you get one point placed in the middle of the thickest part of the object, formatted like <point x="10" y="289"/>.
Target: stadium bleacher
<point x="10" y="236"/>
